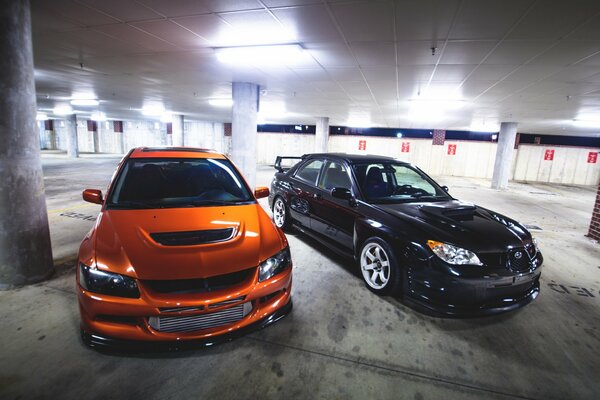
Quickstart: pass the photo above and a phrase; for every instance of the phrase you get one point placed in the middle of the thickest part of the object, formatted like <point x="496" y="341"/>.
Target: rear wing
<point x="288" y="165"/>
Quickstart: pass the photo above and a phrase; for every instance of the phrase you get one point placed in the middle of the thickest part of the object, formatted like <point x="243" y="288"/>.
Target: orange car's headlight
<point x="274" y="265"/>
<point x="109" y="283"/>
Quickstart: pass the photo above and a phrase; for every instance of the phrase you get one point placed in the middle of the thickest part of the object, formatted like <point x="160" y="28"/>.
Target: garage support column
<point x="322" y="135"/>
<point x="177" y="135"/>
<point x="504" y="155"/>
<point x="72" y="144"/>
<point x="243" y="129"/>
<point x="25" y="251"/>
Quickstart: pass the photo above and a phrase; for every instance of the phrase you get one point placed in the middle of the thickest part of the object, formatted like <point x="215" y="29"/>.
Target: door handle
<point x="317" y="196"/>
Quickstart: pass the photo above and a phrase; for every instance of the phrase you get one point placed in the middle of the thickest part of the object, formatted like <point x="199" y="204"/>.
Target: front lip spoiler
<point x="436" y="310"/>
<point x="108" y="344"/>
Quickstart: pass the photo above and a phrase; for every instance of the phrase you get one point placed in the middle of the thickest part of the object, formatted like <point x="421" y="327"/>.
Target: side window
<point x="309" y="172"/>
<point x="335" y="175"/>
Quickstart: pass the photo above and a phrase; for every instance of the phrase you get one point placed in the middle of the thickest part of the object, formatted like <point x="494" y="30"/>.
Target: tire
<point x="281" y="214"/>
<point x="379" y="268"/>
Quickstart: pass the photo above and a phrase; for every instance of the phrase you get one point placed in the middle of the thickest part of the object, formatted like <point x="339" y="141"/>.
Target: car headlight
<point x="452" y="254"/>
<point x="274" y="265"/>
<point x="103" y="282"/>
<point x="536" y="245"/>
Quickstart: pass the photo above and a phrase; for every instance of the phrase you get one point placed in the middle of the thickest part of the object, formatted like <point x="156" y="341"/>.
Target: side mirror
<point x="261" y="191"/>
<point x="93" y="196"/>
<point x="341" y="193"/>
<point x="445" y="188"/>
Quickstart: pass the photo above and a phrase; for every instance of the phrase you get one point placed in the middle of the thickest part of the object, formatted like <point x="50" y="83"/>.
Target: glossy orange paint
<point x="120" y="242"/>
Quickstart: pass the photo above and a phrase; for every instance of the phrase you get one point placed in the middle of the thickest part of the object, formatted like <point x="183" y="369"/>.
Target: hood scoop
<point x="191" y="238"/>
<point x="463" y="212"/>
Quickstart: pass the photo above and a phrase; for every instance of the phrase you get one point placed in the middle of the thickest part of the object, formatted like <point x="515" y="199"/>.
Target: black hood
<point x="463" y="224"/>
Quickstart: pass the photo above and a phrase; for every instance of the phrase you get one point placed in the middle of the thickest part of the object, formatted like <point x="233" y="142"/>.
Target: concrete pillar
<point x="243" y="129"/>
<point x="72" y="144"/>
<point x="322" y="135"/>
<point x="177" y="135"/>
<point x="96" y="138"/>
<point x="504" y="154"/>
<point x="25" y="251"/>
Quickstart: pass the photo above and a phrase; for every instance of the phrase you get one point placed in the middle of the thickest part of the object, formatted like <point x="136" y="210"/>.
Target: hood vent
<point x="191" y="238"/>
<point x="460" y="213"/>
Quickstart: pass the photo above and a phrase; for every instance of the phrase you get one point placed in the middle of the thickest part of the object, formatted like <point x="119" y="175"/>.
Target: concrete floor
<point x="340" y="341"/>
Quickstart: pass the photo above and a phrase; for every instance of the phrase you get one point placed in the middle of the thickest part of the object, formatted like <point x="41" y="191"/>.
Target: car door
<point x="330" y="216"/>
<point x="303" y="187"/>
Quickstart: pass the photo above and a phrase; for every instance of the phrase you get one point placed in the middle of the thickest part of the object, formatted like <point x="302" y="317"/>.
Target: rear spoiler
<point x="278" y="159"/>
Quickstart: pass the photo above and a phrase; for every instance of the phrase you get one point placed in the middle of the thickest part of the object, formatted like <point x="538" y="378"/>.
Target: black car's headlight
<point x="453" y="254"/>
<point x="103" y="282"/>
<point x="274" y="265"/>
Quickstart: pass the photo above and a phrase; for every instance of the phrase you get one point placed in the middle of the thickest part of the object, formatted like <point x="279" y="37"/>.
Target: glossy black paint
<point x="343" y="223"/>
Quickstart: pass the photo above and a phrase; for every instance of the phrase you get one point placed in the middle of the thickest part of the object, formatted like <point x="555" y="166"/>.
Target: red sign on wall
<point x="451" y="149"/>
<point x="549" y="155"/>
<point x="406" y="147"/>
<point x="592" y="157"/>
<point x="362" y="144"/>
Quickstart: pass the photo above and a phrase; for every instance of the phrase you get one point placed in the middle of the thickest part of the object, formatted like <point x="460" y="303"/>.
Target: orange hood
<point x="124" y="244"/>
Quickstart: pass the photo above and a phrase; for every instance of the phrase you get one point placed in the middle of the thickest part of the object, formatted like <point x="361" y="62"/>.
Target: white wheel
<point x="375" y="265"/>
<point x="280" y="213"/>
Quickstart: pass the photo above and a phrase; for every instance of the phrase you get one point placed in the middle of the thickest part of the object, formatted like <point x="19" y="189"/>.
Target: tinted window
<point x="310" y="171"/>
<point x="157" y="183"/>
<point x="394" y="182"/>
<point x="335" y="175"/>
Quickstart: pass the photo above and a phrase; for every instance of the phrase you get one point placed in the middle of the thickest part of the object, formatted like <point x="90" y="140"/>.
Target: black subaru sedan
<point x="410" y="238"/>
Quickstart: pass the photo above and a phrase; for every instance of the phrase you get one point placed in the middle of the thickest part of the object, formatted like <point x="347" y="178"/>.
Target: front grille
<point x="191" y="238"/>
<point x="180" y="309"/>
<point x="226" y="302"/>
<point x="518" y="260"/>
<point x="199" y="322"/>
<point x="201" y="285"/>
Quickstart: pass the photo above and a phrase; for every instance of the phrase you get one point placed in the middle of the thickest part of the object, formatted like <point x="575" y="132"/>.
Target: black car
<point x="408" y="235"/>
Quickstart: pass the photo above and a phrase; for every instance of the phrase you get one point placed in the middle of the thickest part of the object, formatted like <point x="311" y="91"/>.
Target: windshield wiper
<point x="133" y="204"/>
<point x="206" y="202"/>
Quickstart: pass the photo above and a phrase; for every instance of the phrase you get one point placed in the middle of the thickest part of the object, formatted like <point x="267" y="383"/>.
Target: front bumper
<point x="108" y="319"/>
<point x="438" y="290"/>
<point x="104" y="343"/>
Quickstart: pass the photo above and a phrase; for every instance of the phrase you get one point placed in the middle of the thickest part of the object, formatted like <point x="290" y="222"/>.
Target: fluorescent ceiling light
<point x="481" y="126"/>
<point x="62" y="110"/>
<point x="252" y="33"/>
<point x="220" y="102"/>
<point x="269" y="56"/>
<point x="587" y="123"/>
<point x="98" y="116"/>
<point x="153" y="110"/>
<point x="166" y="117"/>
<point x="359" y="123"/>
<point x="41" y="116"/>
<point x="85" y="102"/>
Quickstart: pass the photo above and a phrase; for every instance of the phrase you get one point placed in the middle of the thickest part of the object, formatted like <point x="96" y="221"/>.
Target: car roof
<point x="354" y="158"/>
<point x="174" y="152"/>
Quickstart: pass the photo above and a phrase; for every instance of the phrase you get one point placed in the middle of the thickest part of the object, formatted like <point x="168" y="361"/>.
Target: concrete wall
<point x="141" y="133"/>
<point x="471" y="159"/>
<point x="569" y="165"/>
<point x="271" y="145"/>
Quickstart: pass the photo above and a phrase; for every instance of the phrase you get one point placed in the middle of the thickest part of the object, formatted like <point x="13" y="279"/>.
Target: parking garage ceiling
<point x="451" y="64"/>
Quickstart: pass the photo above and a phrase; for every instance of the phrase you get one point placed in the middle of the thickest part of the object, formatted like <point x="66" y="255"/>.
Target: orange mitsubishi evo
<point x="180" y="253"/>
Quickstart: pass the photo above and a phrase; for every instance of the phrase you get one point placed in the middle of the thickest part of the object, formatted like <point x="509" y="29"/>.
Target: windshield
<point x="390" y="182"/>
<point x="181" y="182"/>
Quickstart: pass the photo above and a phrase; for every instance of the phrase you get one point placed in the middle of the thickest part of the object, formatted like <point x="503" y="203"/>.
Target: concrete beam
<point x="25" y="251"/>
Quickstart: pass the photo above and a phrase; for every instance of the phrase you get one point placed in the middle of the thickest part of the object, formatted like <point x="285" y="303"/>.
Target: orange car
<point x="180" y="253"/>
